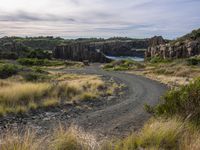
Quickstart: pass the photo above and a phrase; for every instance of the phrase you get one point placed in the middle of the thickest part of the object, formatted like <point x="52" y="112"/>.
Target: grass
<point x="60" y="139"/>
<point x="159" y="134"/>
<point x="18" y="141"/>
<point x="21" y="96"/>
<point x="121" y="65"/>
<point x="39" y="62"/>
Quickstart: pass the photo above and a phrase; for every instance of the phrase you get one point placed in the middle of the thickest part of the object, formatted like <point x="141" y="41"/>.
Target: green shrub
<point x="121" y="65"/>
<point x="193" y="61"/>
<point x="33" y="76"/>
<point x="7" y="70"/>
<point x="8" y="55"/>
<point x="184" y="102"/>
<point x="39" y="62"/>
<point x="158" y="59"/>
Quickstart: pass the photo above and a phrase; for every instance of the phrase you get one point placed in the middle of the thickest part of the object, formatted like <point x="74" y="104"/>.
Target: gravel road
<point x="127" y="113"/>
<point x="116" y="117"/>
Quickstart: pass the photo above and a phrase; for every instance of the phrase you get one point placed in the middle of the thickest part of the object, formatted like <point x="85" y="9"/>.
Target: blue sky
<point x="99" y="18"/>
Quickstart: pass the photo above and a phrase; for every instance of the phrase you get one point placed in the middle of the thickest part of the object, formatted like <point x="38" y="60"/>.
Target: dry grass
<point x="160" y="134"/>
<point x="20" y="96"/>
<point x="72" y="139"/>
<point x="60" y="139"/>
<point x="18" y="141"/>
<point x="173" y="73"/>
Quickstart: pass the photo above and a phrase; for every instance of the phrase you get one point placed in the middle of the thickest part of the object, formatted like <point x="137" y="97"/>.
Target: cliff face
<point x="96" y="51"/>
<point x="186" y="46"/>
<point x="123" y="48"/>
<point x="79" y="52"/>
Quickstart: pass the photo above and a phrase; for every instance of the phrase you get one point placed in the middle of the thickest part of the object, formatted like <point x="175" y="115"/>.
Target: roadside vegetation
<point x="25" y="88"/>
<point x="123" y="65"/>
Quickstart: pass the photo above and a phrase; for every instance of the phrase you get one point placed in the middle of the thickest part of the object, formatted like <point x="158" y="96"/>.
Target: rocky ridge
<point x="184" y="47"/>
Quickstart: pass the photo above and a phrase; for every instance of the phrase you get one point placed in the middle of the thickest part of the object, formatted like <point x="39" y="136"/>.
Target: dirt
<point x="116" y="115"/>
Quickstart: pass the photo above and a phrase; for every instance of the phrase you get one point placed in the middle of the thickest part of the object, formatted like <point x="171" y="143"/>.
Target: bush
<point x="8" y="55"/>
<point x="193" y="61"/>
<point x="7" y="70"/>
<point x="123" y="65"/>
<point x="158" y="59"/>
<point x="184" y="102"/>
<point x="33" y="76"/>
<point x="39" y="62"/>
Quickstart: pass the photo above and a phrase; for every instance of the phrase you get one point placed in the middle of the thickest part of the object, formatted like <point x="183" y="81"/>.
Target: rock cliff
<point x="186" y="46"/>
<point x="79" y="52"/>
<point x="96" y="51"/>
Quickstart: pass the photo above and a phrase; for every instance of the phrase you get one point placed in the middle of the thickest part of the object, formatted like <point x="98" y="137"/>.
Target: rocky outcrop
<point x="97" y="51"/>
<point x="123" y="48"/>
<point x="156" y="40"/>
<point x="79" y="52"/>
<point x="184" y="47"/>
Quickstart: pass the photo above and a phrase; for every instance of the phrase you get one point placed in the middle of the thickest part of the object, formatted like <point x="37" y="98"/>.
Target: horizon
<point x="72" y="19"/>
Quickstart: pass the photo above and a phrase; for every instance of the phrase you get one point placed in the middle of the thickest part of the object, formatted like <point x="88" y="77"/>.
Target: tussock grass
<point x="20" y="96"/>
<point x="72" y="139"/>
<point x="160" y="134"/>
<point x="18" y="141"/>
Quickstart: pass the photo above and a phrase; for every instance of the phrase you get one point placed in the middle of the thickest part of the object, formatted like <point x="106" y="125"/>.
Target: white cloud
<point x="89" y="18"/>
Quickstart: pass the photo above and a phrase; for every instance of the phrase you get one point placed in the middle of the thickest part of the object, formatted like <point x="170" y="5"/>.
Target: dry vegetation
<point x="18" y="96"/>
<point x="160" y="134"/>
<point x="173" y="73"/>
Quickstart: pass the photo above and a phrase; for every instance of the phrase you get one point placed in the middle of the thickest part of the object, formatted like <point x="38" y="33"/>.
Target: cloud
<point x="89" y="18"/>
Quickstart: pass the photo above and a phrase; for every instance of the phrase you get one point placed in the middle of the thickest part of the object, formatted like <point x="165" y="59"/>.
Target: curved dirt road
<point x="115" y="117"/>
<point x="128" y="112"/>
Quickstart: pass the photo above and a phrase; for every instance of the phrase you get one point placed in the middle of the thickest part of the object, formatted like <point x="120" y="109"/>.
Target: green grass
<point x="121" y="65"/>
<point x="39" y="62"/>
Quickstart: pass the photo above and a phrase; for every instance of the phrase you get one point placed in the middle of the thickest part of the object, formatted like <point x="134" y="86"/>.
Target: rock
<point x="177" y="50"/>
<point x="96" y="51"/>
<point x="156" y="40"/>
<point x="186" y="46"/>
<point x="79" y="52"/>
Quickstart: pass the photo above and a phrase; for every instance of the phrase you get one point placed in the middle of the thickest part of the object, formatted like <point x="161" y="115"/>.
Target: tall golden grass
<point x="160" y="134"/>
<point x="18" y="96"/>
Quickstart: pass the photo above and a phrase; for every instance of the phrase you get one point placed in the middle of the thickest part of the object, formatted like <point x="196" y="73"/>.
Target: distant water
<point x="125" y="58"/>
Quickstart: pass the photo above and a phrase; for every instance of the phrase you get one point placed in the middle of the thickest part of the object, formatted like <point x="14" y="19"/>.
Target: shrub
<point x="121" y="65"/>
<point x="33" y="76"/>
<point x="193" y="61"/>
<point x="7" y="70"/>
<point x="158" y="59"/>
<point x="8" y="55"/>
<point x="39" y="62"/>
<point x="184" y="101"/>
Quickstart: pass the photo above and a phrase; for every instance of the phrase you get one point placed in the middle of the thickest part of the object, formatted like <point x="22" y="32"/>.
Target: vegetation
<point x="183" y="101"/>
<point x="157" y="59"/>
<point x="194" y="60"/>
<point x="7" y="70"/>
<point x="123" y="65"/>
<point x="19" y="96"/>
<point x="160" y="134"/>
<point x="39" y="62"/>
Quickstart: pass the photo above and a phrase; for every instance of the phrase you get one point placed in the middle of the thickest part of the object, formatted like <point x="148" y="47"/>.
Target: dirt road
<point x="116" y="117"/>
<point x="127" y="113"/>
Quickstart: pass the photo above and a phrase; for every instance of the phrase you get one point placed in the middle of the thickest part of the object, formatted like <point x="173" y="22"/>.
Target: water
<point x="125" y="58"/>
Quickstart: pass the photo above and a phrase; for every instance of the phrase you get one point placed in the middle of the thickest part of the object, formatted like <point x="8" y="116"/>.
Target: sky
<point x="99" y="18"/>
